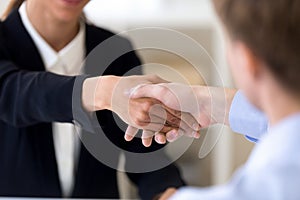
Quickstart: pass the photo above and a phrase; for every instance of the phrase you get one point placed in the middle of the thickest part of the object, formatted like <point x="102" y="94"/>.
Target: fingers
<point x="155" y="124"/>
<point x="184" y="121"/>
<point x="130" y="133"/>
<point x="190" y="125"/>
<point x="159" y="92"/>
<point x="153" y="117"/>
<point x="160" y="138"/>
<point x="156" y="79"/>
<point x="158" y="131"/>
<point x="145" y="90"/>
<point x="173" y="135"/>
<point x="147" y="137"/>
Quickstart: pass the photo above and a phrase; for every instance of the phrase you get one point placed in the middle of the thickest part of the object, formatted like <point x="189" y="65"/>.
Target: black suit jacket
<point x="30" y="99"/>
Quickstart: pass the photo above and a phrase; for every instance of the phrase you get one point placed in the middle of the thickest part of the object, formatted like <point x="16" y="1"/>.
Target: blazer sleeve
<point x="29" y="97"/>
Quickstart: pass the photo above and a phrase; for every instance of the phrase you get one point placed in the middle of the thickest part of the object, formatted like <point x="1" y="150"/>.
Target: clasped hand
<point x="206" y="105"/>
<point x="157" y="120"/>
<point x="164" y="111"/>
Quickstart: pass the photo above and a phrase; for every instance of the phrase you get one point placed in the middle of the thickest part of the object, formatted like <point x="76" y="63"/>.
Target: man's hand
<point x="157" y="121"/>
<point x="208" y="105"/>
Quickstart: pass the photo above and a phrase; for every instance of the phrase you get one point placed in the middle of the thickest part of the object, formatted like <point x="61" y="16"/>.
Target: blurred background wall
<point x="196" y="19"/>
<point x="3" y="4"/>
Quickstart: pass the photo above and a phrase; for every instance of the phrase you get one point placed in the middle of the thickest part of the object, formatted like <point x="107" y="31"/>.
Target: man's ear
<point x="250" y="62"/>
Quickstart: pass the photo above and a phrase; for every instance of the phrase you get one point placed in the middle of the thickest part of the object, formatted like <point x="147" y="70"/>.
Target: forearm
<point x="27" y="98"/>
<point x="230" y="93"/>
<point x="215" y="102"/>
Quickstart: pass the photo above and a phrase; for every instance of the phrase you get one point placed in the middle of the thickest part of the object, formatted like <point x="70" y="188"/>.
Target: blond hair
<point x="13" y="4"/>
<point x="271" y="29"/>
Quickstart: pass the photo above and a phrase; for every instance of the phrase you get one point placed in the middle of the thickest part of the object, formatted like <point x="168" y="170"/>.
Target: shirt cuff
<point x="246" y="119"/>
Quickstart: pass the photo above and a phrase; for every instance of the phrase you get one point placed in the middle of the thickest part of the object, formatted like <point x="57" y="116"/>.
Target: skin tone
<point x="48" y="17"/>
<point x="140" y="110"/>
<point x="213" y="104"/>
<point x="57" y="21"/>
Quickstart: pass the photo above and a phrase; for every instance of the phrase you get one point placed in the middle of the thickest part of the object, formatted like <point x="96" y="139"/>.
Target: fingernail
<point x="172" y="135"/>
<point x="196" y="127"/>
<point x="128" y="138"/>
<point x="196" y="135"/>
<point x="162" y="140"/>
<point x="147" y="143"/>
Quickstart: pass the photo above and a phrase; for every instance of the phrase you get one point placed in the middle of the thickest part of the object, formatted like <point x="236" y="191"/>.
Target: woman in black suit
<point x="32" y="99"/>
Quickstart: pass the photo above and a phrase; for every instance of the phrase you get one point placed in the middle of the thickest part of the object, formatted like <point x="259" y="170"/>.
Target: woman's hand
<point x="109" y="92"/>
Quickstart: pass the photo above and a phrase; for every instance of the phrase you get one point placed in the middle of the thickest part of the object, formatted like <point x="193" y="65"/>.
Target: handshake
<point x="164" y="111"/>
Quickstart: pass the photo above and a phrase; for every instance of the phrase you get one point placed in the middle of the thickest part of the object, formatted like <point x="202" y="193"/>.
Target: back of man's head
<point x="271" y="30"/>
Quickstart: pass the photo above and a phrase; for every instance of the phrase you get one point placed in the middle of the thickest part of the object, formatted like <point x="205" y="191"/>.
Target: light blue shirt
<point x="271" y="173"/>
<point x="246" y="119"/>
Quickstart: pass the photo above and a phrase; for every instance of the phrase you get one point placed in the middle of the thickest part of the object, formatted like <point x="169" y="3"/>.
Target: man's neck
<point x="56" y="33"/>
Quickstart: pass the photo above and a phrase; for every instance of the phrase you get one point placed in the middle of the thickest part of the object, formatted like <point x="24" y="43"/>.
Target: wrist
<point x="230" y="93"/>
<point x="97" y="92"/>
<point x="104" y="92"/>
<point x="214" y="102"/>
<point x="88" y="89"/>
<point x="221" y="99"/>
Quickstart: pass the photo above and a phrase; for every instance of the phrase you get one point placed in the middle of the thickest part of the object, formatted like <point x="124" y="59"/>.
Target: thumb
<point x="156" y="79"/>
<point x="143" y="90"/>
